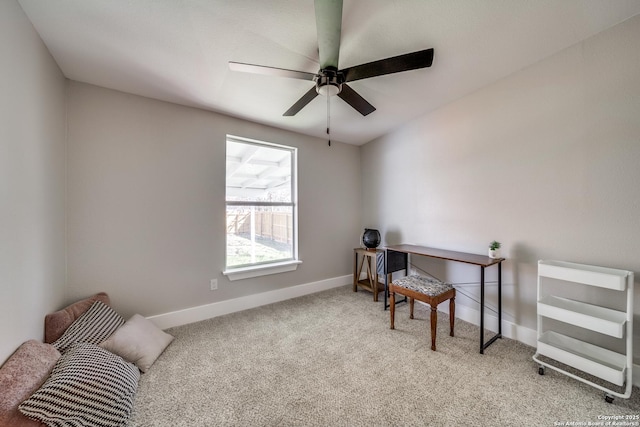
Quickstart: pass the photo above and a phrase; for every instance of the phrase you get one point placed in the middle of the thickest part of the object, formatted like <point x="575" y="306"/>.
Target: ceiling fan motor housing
<point x="329" y="81"/>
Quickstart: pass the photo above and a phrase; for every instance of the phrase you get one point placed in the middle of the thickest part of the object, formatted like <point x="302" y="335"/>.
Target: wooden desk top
<point x="475" y="259"/>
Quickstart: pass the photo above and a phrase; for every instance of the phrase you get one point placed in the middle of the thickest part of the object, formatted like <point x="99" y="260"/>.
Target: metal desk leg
<point x="386" y="280"/>
<point x="481" y="310"/>
<point x="386" y="292"/>
<point x="500" y="299"/>
<point x="483" y="346"/>
<point x="388" y="275"/>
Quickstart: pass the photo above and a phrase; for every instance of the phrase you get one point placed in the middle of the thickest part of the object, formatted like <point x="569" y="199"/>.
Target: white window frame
<point x="275" y="267"/>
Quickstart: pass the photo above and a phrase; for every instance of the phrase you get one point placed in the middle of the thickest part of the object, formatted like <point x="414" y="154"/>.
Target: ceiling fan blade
<point x="329" y="27"/>
<point x="396" y="64"/>
<point x="352" y="98"/>
<point x="270" y="71"/>
<point x="306" y="98"/>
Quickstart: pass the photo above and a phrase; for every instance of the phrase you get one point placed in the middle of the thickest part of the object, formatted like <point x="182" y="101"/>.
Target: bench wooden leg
<point x="392" y="308"/>
<point x="452" y="314"/>
<point x="411" y="302"/>
<point x="434" y="326"/>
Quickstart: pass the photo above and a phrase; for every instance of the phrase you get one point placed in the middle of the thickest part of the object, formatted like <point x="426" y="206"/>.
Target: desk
<point x="480" y="260"/>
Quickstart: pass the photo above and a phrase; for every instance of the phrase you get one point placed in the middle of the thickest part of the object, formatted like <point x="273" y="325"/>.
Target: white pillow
<point x="138" y="341"/>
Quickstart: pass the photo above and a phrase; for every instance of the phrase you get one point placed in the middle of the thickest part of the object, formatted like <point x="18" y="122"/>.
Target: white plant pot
<point x="495" y="253"/>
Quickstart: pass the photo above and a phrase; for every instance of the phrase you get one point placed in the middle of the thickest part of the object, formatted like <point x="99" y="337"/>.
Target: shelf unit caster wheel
<point x="608" y="398"/>
<point x="541" y="370"/>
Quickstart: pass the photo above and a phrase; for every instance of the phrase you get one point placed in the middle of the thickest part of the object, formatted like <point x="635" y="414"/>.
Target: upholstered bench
<point x="427" y="290"/>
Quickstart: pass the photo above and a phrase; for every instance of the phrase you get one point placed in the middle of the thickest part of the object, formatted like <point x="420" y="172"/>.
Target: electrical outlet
<point x="214" y="284"/>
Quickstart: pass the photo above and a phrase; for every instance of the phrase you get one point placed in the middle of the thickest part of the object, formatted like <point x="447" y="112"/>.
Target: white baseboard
<point x="195" y="314"/>
<point x="208" y="311"/>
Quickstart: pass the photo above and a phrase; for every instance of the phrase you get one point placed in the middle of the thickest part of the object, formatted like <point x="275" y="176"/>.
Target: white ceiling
<point x="178" y="51"/>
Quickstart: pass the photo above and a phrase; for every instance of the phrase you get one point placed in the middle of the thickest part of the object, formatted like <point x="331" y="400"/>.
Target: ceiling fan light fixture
<point x="328" y="83"/>
<point x="328" y="90"/>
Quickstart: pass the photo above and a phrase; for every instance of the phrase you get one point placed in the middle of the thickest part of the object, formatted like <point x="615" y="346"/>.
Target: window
<point x="261" y="196"/>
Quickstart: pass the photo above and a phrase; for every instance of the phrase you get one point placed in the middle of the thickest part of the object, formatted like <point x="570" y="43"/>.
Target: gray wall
<point x="146" y="212"/>
<point x="32" y="178"/>
<point x="546" y="161"/>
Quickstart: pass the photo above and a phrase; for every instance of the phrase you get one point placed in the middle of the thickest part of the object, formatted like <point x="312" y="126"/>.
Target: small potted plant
<point x="494" y="249"/>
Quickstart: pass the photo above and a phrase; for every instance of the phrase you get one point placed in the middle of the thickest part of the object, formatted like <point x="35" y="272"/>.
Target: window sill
<point x="261" y="270"/>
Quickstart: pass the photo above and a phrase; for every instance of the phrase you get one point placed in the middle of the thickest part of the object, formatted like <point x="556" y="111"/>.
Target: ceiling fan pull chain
<point x="328" y="119"/>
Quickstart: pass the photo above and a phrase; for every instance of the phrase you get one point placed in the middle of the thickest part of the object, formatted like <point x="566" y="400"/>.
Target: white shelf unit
<point x="603" y="363"/>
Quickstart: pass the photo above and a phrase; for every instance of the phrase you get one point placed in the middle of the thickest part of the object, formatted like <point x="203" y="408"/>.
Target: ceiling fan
<point x="330" y="80"/>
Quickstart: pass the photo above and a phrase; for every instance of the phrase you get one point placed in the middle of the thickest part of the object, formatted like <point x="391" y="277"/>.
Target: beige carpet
<point x="330" y="359"/>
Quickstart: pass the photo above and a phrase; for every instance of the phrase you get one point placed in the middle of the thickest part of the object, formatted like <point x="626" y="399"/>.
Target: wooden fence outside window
<point x="276" y="226"/>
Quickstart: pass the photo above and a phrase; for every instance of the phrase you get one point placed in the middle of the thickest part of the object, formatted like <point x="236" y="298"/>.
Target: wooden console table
<point x="371" y="282"/>
<point x="480" y="260"/>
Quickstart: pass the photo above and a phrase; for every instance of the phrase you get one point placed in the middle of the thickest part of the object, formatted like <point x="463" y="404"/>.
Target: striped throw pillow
<point x="94" y="326"/>
<point x="88" y="387"/>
